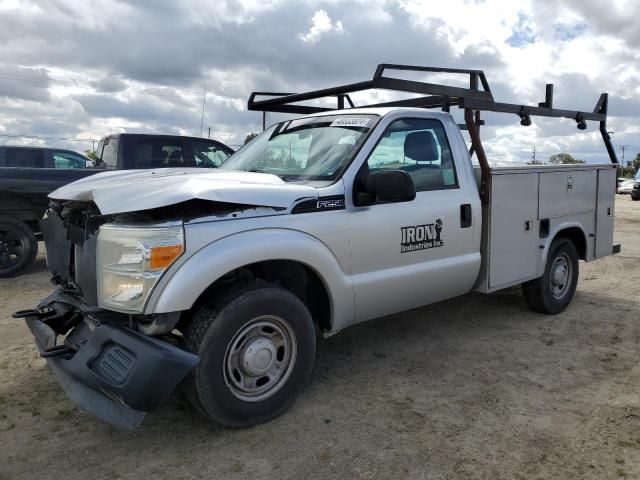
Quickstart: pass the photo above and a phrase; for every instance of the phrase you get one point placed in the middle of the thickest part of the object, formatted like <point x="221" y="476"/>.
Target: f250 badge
<point x="421" y="237"/>
<point x="333" y="203"/>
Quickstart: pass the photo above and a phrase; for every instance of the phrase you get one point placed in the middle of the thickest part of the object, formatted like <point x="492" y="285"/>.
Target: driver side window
<point x="420" y="148"/>
<point x="66" y="160"/>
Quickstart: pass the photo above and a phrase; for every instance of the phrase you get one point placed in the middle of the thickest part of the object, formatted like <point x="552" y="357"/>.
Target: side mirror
<point x="389" y="186"/>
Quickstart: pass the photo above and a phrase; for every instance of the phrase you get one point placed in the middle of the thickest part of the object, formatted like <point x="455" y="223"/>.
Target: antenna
<point x="204" y="99"/>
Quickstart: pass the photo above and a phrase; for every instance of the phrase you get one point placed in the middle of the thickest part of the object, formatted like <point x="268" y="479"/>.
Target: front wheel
<point x="257" y="347"/>
<point x="552" y="292"/>
<point x="18" y="246"/>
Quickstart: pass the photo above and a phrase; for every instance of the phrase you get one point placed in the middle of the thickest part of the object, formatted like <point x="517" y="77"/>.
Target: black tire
<point x="549" y="294"/>
<point x="18" y="246"/>
<point x="235" y="323"/>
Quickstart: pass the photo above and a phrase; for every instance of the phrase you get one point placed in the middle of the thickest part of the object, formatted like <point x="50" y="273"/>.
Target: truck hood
<point x="134" y="190"/>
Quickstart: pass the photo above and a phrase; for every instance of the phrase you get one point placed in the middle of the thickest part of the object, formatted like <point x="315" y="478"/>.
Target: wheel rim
<point x="561" y="275"/>
<point x="259" y="358"/>
<point x="12" y="248"/>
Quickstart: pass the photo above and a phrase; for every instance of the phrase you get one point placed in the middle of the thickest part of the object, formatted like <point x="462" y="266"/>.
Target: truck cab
<point x="127" y="151"/>
<point x="224" y="280"/>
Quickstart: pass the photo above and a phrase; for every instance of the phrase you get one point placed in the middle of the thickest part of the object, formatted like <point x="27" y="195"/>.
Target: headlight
<point x="131" y="260"/>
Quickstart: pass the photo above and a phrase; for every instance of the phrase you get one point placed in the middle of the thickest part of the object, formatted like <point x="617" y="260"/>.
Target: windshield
<point x="312" y="148"/>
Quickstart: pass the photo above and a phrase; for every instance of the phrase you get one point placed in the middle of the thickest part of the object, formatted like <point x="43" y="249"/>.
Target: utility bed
<point x="531" y="203"/>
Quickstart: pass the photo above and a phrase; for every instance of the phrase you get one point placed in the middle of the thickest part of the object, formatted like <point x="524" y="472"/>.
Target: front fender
<point x="182" y="285"/>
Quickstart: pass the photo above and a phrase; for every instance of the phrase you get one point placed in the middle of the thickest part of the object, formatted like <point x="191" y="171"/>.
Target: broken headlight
<point x="131" y="260"/>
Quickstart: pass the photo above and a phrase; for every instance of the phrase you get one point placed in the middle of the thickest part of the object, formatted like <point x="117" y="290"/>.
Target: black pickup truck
<point x="29" y="174"/>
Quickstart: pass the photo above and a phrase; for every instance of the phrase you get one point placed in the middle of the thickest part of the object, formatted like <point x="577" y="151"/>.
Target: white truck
<point x="222" y="281"/>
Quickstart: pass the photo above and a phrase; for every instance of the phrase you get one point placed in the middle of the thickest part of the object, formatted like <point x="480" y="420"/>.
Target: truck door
<point x="409" y="254"/>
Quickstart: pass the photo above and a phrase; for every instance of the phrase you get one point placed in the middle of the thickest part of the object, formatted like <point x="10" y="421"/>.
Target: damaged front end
<point x="103" y="358"/>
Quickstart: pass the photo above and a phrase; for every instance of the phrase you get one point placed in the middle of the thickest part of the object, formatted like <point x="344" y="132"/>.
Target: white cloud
<point x="320" y="25"/>
<point x="142" y="65"/>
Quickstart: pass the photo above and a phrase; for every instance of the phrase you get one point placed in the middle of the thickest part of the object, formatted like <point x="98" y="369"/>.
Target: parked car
<point x="626" y="186"/>
<point x="635" y="191"/>
<point x="319" y="223"/>
<point x="29" y="174"/>
<point x="40" y="157"/>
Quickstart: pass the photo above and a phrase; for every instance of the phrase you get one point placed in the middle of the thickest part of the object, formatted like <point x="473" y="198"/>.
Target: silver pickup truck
<point x="223" y="281"/>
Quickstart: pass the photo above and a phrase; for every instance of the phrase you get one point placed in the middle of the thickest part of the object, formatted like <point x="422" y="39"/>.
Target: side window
<point x="109" y="155"/>
<point x="420" y="148"/>
<point x="24" y="157"/>
<point x="207" y="154"/>
<point x="99" y="149"/>
<point x="68" y="160"/>
<point x="159" y="153"/>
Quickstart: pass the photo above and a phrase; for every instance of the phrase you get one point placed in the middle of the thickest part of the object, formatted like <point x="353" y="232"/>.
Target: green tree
<point x="626" y="172"/>
<point x="91" y="155"/>
<point x="250" y="137"/>
<point x="635" y="163"/>
<point x="535" y="162"/>
<point x="564" y="159"/>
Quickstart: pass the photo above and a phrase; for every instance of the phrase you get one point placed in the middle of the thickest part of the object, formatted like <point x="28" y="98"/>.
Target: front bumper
<point x="114" y="372"/>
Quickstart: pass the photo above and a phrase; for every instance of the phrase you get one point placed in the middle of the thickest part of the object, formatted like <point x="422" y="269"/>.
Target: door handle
<point x="465" y="216"/>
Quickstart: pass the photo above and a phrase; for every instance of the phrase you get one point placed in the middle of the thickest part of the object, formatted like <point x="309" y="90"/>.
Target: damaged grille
<point x="77" y="256"/>
<point x="70" y="236"/>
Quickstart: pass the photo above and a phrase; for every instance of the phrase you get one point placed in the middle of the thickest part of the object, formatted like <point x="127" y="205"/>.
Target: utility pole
<point x="209" y="136"/>
<point x="623" y="147"/>
<point x="533" y="155"/>
<point x="204" y="99"/>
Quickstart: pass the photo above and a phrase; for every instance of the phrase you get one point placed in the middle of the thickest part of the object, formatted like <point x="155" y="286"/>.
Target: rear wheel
<point x="18" y="246"/>
<point x="256" y="346"/>
<point x="552" y="292"/>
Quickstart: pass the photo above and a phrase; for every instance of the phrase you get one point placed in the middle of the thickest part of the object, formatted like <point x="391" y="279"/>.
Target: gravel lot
<point x="475" y="387"/>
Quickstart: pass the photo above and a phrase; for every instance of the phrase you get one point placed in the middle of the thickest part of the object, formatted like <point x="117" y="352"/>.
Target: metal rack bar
<point x="478" y="97"/>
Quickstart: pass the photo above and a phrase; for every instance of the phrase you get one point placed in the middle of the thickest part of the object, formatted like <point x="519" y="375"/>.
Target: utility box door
<point x="605" y="212"/>
<point x="567" y="193"/>
<point x="514" y="244"/>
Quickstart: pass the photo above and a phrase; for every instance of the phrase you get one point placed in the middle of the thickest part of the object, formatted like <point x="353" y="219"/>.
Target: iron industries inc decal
<point x="421" y="237"/>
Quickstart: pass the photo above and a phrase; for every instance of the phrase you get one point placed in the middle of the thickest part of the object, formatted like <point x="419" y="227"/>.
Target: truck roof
<point x="382" y="111"/>
<point x="151" y="135"/>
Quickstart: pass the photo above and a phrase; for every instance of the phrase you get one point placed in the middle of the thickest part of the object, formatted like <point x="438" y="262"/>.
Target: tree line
<point x="566" y="159"/>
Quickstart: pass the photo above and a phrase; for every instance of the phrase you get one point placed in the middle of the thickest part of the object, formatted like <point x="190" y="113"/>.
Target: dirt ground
<point x="475" y="387"/>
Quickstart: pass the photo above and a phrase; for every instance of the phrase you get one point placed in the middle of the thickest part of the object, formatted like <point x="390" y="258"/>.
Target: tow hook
<point x="32" y="313"/>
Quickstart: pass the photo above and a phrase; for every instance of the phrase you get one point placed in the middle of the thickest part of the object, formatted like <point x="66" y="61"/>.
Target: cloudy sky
<point x="80" y="70"/>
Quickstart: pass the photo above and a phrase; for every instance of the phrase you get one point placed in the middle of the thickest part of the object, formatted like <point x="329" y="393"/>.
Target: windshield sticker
<point x="350" y="122"/>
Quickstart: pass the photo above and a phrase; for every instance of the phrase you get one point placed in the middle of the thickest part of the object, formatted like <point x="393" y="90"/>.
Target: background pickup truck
<point x="223" y="280"/>
<point x="29" y="174"/>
